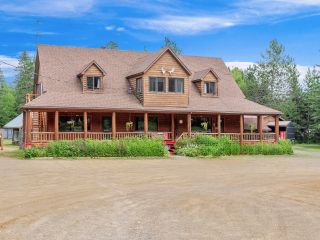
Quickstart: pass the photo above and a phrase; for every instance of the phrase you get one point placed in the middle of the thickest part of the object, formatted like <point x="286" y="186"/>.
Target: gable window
<point x="93" y="83"/>
<point x="210" y="88"/>
<point x="156" y="84"/>
<point x="176" y="85"/>
<point x="139" y="85"/>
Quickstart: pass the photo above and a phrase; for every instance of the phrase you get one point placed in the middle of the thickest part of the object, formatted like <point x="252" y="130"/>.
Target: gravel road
<point x="176" y="198"/>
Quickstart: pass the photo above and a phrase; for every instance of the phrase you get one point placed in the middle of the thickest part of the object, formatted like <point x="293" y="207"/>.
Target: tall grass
<point x="130" y="147"/>
<point x="209" y="146"/>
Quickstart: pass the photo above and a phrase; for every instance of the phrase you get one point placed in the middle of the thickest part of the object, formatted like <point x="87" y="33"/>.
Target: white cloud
<point x="187" y="21"/>
<point x="8" y="71"/>
<point x="30" y="32"/>
<point x="120" y="29"/>
<point x="244" y="65"/>
<point x="56" y="8"/>
<point x="110" y="27"/>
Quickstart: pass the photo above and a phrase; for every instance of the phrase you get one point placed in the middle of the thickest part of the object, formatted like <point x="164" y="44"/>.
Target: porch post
<point x="85" y="124"/>
<point x="189" y="124"/>
<point x="276" y="128"/>
<point x="56" y="125"/>
<point x="260" y="127"/>
<point x="241" y="129"/>
<point x="24" y="127"/>
<point x="145" y="123"/>
<point x="114" y="125"/>
<point x="219" y="124"/>
<point x="172" y="125"/>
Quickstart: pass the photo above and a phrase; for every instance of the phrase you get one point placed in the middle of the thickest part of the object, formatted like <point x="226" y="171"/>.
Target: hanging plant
<point x="204" y="125"/>
<point x="71" y="123"/>
<point x="251" y="127"/>
<point x="129" y="126"/>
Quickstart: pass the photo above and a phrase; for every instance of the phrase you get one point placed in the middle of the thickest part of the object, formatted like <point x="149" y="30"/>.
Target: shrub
<point x="130" y="147"/>
<point x="202" y="145"/>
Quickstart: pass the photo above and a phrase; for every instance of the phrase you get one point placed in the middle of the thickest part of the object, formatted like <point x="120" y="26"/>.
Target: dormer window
<point x="156" y="84"/>
<point x="176" y="85"/>
<point x="93" y="83"/>
<point x="209" y="88"/>
<point x="139" y="85"/>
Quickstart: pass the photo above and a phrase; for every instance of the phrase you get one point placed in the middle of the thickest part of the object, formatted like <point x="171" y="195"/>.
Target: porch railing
<point x="42" y="137"/>
<point x="247" y="137"/>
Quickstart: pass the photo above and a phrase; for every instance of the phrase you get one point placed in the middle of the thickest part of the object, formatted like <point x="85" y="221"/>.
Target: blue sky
<point x="237" y="31"/>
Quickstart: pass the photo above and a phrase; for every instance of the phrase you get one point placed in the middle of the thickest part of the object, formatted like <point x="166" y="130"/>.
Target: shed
<point x="13" y="129"/>
<point x="286" y="128"/>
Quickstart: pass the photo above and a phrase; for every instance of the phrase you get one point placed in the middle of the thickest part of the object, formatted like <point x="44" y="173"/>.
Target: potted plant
<point x="204" y="125"/>
<point x="129" y="125"/>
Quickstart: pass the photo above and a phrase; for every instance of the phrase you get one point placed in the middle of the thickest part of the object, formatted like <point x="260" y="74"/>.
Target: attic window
<point x="93" y="83"/>
<point x="209" y="88"/>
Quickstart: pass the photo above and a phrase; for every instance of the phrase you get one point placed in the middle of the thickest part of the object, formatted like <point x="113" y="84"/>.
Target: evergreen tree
<point x="24" y="78"/>
<point x="110" y="45"/>
<point x="172" y="45"/>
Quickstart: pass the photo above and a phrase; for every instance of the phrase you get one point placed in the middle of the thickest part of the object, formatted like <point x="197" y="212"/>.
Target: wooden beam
<point x="85" y="124"/>
<point x="189" y="124"/>
<point x="146" y="123"/>
<point x="56" y="125"/>
<point x="259" y="119"/>
<point x="114" y="125"/>
<point x="219" y="123"/>
<point x="276" y="128"/>
<point x="241" y="129"/>
<point x="172" y="125"/>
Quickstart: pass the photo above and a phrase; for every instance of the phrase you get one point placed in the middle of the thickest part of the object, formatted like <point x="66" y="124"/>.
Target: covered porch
<point x="41" y="126"/>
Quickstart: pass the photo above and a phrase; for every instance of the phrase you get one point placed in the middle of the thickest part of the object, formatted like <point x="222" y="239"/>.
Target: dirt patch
<point x="177" y="198"/>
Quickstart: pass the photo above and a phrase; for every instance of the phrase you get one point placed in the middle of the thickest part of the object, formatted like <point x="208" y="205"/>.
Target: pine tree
<point x="172" y="45"/>
<point x="110" y="45"/>
<point x="24" y="78"/>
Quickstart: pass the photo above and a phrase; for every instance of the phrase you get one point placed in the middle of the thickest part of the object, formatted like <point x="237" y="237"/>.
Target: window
<point x="93" y="83"/>
<point x="139" y="85"/>
<point x="210" y="88"/>
<point x="72" y="123"/>
<point x="176" y="85"/>
<point x="106" y="124"/>
<point x="156" y="84"/>
<point x="153" y="124"/>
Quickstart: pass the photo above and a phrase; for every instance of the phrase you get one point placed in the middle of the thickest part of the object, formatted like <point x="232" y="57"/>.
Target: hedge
<point x="209" y="146"/>
<point x="130" y="147"/>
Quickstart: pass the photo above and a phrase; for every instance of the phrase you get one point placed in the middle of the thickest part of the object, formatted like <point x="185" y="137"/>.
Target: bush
<point x="130" y="147"/>
<point x="202" y="145"/>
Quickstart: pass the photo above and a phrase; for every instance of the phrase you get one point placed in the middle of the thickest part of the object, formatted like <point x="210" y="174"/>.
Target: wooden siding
<point x="163" y="99"/>
<point x="132" y="84"/>
<point x="93" y="70"/>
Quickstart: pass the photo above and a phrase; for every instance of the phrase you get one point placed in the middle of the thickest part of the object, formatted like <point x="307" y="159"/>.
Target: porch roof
<point x="117" y="101"/>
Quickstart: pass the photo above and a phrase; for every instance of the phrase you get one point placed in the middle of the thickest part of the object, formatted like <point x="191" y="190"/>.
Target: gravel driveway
<point x="176" y="198"/>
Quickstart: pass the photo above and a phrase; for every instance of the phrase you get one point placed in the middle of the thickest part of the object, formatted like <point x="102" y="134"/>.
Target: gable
<point x="168" y="62"/>
<point x="210" y="77"/>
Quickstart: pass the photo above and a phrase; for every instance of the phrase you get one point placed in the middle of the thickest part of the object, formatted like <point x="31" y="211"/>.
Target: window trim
<point x="93" y="89"/>
<point x="215" y="89"/>
<point x="176" y="80"/>
<point x="156" y="85"/>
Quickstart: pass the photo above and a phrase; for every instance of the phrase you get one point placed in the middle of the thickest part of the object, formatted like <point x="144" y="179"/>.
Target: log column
<point x="241" y="129"/>
<point x="145" y="123"/>
<point x="219" y="123"/>
<point x="114" y="125"/>
<point x="85" y="124"/>
<point x="259" y="119"/>
<point x="24" y="127"/>
<point x="189" y="124"/>
<point x="172" y="126"/>
<point x="276" y="128"/>
<point x="56" y="125"/>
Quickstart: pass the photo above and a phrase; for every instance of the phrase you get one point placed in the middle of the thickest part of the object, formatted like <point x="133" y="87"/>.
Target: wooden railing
<point x="70" y="135"/>
<point x="99" y="135"/>
<point x="42" y="136"/>
<point x="247" y="137"/>
<point x="30" y="97"/>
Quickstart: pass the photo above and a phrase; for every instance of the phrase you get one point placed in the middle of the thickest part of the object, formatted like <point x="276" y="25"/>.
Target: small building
<point x="286" y="129"/>
<point x="13" y="129"/>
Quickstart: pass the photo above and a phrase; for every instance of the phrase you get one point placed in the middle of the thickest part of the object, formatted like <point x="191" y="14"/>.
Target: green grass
<point x="309" y="146"/>
<point x="130" y="147"/>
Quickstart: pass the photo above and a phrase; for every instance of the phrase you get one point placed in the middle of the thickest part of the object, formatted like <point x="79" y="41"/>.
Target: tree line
<point x="274" y="81"/>
<point x="12" y="98"/>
